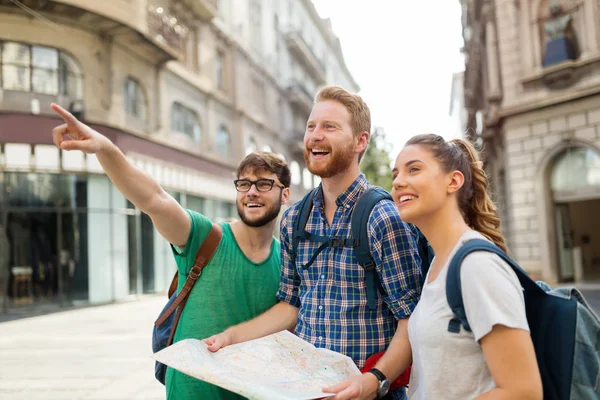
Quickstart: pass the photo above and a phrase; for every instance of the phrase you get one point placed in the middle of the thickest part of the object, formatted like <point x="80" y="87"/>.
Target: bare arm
<point x="279" y="317"/>
<point x="510" y="357"/>
<point x="169" y="218"/>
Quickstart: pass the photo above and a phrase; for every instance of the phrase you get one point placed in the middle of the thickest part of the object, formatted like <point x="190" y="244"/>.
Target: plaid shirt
<point x="331" y="293"/>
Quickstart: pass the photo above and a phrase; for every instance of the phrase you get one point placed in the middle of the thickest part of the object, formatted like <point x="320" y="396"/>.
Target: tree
<point x="376" y="163"/>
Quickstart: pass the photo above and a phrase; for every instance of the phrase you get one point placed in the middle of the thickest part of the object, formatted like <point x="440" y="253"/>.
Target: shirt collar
<point x="348" y="197"/>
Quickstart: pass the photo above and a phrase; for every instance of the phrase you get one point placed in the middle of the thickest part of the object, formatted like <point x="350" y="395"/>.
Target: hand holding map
<point x="276" y="367"/>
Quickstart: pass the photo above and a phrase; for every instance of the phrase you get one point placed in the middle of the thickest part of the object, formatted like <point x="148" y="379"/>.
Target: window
<point x="222" y="141"/>
<point x="296" y="173"/>
<point x="251" y="146"/>
<point x="184" y="120"/>
<point x="256" y="24"/>
<point x="134" y="101"/>
<point x="220" y="70"/>
<point x="40" y="69"/>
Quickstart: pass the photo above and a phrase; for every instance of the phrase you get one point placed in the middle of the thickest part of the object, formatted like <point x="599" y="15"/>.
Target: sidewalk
<point x="94" y="353"/>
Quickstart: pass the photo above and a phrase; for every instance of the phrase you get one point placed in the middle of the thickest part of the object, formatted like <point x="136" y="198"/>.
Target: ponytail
<point x="478" y="209"/>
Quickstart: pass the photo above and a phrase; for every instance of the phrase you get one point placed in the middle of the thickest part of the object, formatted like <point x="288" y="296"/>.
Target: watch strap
<point x="380" y="376"/>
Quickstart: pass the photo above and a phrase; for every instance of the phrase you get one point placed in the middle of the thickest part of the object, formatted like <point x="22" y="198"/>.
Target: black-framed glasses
<point x="262" y="185"/>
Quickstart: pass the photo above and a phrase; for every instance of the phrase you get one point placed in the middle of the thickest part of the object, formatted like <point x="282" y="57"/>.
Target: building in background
<point x="532" y="79"/>
<point x="185" y="88"/>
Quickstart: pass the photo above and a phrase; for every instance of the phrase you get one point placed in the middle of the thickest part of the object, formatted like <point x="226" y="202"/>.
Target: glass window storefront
<point x="73" y="239"/>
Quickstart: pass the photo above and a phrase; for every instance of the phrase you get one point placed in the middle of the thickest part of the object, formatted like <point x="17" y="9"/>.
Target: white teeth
<point x="320" y="151"/>
<point x="253" y="205"/>
<point x="406" y="198"/>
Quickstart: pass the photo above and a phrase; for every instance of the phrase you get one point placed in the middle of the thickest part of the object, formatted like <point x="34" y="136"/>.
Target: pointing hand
<point x="75" y="135"/>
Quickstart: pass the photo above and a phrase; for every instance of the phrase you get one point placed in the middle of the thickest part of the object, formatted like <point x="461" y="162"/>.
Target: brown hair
<point x="475" y="204"/>
<point x="360" y="115"/>
<point x="266" y="161"/>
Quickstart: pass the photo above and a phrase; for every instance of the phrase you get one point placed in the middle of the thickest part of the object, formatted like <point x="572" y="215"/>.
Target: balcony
<point x="300" y="97"/>
<point x="203" y="9"/>
<point x="107" y="21"/>
<point x="166" y="30"/>
<point x="305" y="55"/>
<point x="295" y="141"/>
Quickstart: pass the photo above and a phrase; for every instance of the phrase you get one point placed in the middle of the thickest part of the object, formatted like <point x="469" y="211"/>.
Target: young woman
<point x="441" y="187"/>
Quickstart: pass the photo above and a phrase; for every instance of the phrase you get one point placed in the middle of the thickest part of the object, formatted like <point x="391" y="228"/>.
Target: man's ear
<point x="455" y="182"/>
<point x="285" y="195"/>
<point x="362" y="141"/>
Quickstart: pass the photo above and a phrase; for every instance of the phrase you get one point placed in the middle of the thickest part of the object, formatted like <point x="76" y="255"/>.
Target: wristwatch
<point x="384" y="384"/>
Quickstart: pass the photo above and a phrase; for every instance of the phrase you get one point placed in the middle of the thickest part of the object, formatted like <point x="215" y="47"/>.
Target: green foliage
<point x="376" y="162"/>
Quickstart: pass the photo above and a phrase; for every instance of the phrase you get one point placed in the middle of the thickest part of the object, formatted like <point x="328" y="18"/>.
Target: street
<point x="94" y="353"/>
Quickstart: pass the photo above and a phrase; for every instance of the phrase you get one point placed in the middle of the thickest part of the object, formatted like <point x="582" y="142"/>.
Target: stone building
<point x="185" y="88"/>
<point x="532" y="91"/>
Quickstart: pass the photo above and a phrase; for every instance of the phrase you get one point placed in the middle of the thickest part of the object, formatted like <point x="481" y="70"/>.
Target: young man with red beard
<point x="243" y="275"/>
<point x="326" y="303"/>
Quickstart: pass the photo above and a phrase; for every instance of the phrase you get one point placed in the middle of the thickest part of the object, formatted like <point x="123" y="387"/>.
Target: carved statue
<point x="561" y="44"/>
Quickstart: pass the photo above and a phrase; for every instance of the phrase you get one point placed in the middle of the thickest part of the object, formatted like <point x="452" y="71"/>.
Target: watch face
<point x="384" y="387"/>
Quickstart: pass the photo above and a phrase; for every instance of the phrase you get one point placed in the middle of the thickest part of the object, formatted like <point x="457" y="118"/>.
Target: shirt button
<point x="320" y="307"/>
<point x="320" y="337"/>
<point x="322" y="276"/>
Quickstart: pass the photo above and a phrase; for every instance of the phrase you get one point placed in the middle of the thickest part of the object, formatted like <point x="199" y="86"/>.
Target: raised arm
<point x="169" y="218"/>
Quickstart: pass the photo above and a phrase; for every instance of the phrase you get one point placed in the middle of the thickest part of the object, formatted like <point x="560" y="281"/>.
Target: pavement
<point x="91" y="353"/>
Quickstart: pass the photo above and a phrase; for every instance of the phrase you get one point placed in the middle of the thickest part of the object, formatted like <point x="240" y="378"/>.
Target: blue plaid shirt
<point x="331" y="293"/>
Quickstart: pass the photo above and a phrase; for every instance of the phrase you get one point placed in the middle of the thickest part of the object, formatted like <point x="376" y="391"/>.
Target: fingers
<point x="64" y="114"/>
<point x="58" y="134"/>
<point x="337" y="388"/>
<point x="84" y="145"/>
<point x="214" y="343"/>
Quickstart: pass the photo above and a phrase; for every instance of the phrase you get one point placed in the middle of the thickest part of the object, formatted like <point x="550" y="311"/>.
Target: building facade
<point x="532" y="87"/>
<point x="185" y="88"/>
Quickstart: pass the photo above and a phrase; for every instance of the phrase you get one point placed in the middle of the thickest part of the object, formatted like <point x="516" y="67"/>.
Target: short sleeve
<point x="200" y="226"/>
<point x="492" y="294"/>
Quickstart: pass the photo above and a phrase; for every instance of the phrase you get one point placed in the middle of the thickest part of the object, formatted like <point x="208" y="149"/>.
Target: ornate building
<point x="532" y="91"/>
<point x="184" y="87"/>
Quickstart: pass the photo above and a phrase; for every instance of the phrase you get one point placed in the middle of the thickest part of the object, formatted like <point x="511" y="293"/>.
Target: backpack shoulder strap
<point x="203" y="256"/>
<point x="425" y="252"/>
<point x="359" y="226"/>
<point x="453" y="281"/>
<point x="298" y="226"/>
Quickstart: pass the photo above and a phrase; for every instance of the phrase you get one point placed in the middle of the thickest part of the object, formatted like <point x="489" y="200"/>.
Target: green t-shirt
<point x="232" y="289"/>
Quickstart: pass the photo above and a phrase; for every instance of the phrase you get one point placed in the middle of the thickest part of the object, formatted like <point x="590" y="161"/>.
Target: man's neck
<point x="255" y="239"/>
<point x="334" y="186"/>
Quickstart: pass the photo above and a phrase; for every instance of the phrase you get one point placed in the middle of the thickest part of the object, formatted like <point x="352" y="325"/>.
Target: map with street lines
<point x="276" y="367"/>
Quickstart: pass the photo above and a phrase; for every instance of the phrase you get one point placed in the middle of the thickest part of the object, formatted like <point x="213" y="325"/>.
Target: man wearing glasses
<point x="242" y="279"/>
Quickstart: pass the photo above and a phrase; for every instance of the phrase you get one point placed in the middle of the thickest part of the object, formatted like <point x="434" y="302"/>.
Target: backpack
<point x="564" y="329"/>
<point x="359" y="239"/>
<point x="166" y="324"/>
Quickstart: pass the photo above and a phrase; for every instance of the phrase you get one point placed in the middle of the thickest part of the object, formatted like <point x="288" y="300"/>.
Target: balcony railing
<point x="300" y="96"/>
<point x="166" y="29"/>
<point x="304" y="53"/>
<point x="204" y="9"/>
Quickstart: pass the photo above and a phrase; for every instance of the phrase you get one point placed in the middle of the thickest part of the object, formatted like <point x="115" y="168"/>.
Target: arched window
<point x="576" y="168"/>
<point x="134" y="100"/>
<point x="296" y="173"/>
<point x="222" y="141"/>
<point x="251" y="146"/>
<point x="185" y="120"/>
<point x="40" y="69"/>
<point x="307" y="179"/>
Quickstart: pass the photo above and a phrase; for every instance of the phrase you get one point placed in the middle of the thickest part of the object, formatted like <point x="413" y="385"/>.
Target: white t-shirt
<point x="448" y="365"/>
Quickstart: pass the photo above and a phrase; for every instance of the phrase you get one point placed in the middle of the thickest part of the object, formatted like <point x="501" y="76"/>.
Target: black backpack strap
<point x="453" y="283"/>
<point x="299" y="224"/>
<point x="359" y="225"/>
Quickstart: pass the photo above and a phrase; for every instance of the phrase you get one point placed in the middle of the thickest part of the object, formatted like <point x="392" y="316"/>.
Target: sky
<point x="402" y="54"/>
